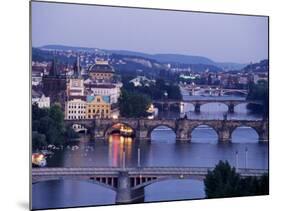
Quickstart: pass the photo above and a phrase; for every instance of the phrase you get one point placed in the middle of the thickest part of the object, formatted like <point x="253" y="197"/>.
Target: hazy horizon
<point x="219" y="37"/>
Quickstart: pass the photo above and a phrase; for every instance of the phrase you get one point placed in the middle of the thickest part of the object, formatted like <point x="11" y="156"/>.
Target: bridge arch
<point x="112" y="187"/>
<point x="196" y="137"/>
<point x="164" y="127"/>
<point x="166" y="178"/>
<point x="221" y="106"/>
<point x="80" y="128"/>
<point x="243" y="93"/>
<point x="188" y="106"/>
<point x="246" y="133"/>
<point x="241" y="106"/>
<point x="117" y="127"/>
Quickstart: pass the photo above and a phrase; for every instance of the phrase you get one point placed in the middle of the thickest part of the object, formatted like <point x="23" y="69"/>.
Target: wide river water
<point x="203" y="151"/>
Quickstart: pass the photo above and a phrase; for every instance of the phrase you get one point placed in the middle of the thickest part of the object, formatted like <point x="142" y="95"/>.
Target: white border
<point x="14" y="105"/>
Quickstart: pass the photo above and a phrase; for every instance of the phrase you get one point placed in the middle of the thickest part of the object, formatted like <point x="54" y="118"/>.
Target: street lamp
<point x="139" y="157"/>
<point x="246" y="157"/>
<point x="236" y="159"/>
<point x="165" y="97"/>
<point x="124" y="159"/>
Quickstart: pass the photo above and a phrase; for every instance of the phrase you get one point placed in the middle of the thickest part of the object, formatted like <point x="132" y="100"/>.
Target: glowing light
<point x="114" y="116"/>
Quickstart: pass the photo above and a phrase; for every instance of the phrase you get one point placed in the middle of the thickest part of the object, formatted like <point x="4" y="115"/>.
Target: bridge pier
<point x="263" y="136"/>
<point x="125" y="194"/>
<point x="231" y="108"/>
<point x="197" y="108"/>
<point x="182" y="136"/>
<point x="183" y="140"/>
<point x="224" y="135"/>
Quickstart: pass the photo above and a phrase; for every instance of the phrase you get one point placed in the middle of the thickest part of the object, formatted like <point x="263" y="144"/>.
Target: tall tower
<point x="76" y="68"/>
<point x="53" y="71"/>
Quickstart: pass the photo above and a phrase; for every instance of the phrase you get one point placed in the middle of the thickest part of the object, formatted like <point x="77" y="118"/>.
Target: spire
<point x="76" y="68"/>
<point x="53" y="70"/>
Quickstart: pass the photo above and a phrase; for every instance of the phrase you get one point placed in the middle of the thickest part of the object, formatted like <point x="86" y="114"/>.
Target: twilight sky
<point x="222" y="38"/>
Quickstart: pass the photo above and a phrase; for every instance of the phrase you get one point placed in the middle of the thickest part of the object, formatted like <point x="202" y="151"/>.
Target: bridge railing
<point x="146" y="168"/>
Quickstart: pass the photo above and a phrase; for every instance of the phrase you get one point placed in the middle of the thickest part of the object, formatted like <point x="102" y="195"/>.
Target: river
<point x="203" y="151"/>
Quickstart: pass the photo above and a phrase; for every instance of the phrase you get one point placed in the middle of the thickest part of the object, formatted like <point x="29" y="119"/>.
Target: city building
<point x="260" y="77"/>
<point x="98" y="107"/>
<point x="101" y="72"/>
<point x="243" y="80"/>
<point x="75" y="108"/>
<point x="36" y="78"/>
<point x="54" y="84"/>
<point x="142" y="81"/>
<point x="40" y="99"/>
<point x="75" y="86"/>
<point x="110" y="90"/>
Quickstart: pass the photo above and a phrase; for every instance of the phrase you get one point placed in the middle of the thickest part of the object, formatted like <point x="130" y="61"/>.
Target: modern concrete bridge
<point x="100" y="129"/>
<point x="129" y="183"/>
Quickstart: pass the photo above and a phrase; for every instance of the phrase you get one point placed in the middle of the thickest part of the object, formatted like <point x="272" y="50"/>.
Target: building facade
<point x="75" y="108"/>
<point x="110" y="90"/>
<point x="98" y="107"/>
<point x="75" y="87"/>
<point x="40" y="99"/>
<point x="101" y="72"/>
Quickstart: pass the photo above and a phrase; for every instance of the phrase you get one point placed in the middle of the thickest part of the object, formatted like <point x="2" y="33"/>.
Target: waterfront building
<point x="75" y="108"/>
<point x="98" y="107"/>
<point x="40" y="99"/>
<point x="101" y="72"/>
<point x="110" y="90"/>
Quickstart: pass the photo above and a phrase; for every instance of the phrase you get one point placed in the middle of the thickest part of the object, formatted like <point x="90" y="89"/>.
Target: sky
<point x="220" y="37"/>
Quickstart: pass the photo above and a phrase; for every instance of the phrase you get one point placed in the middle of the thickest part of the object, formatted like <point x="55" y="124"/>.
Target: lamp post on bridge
<point x="124" y="160"/>
<point x="139" y="158"/>
<point x="236" y="159"/>
<point x="165" y="99"/>
<point x="246" y="157"/>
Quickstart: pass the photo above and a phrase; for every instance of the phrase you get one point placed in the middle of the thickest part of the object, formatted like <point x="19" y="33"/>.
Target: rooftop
<point x="105" y="68"/>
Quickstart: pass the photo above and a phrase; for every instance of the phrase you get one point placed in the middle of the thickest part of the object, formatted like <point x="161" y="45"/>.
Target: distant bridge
<point x="230" y="103"/>
<point x="213" y="90"/>
<point x="100" y="129"/>
<point x="129" y="183"/>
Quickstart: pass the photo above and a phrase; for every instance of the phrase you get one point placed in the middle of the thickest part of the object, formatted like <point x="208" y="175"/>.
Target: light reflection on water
<point x="162" y="151"/>
<point x="204" y="150"/>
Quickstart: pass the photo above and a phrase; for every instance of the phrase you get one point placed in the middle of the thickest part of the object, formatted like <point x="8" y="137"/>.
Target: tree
<point x="259" y="92"/>
<point x="38" y="140"/>
<point x="133" y="104"/>
<point x="223" y="181"/>
<point x="48" y="126"/>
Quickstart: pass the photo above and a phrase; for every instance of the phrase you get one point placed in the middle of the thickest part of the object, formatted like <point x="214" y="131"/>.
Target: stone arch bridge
<point x="100" y="128"/>
<point x="198" y="103"/>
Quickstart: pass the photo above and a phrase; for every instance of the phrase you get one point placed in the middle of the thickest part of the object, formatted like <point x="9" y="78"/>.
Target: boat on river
<point x="39" y="159"/>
